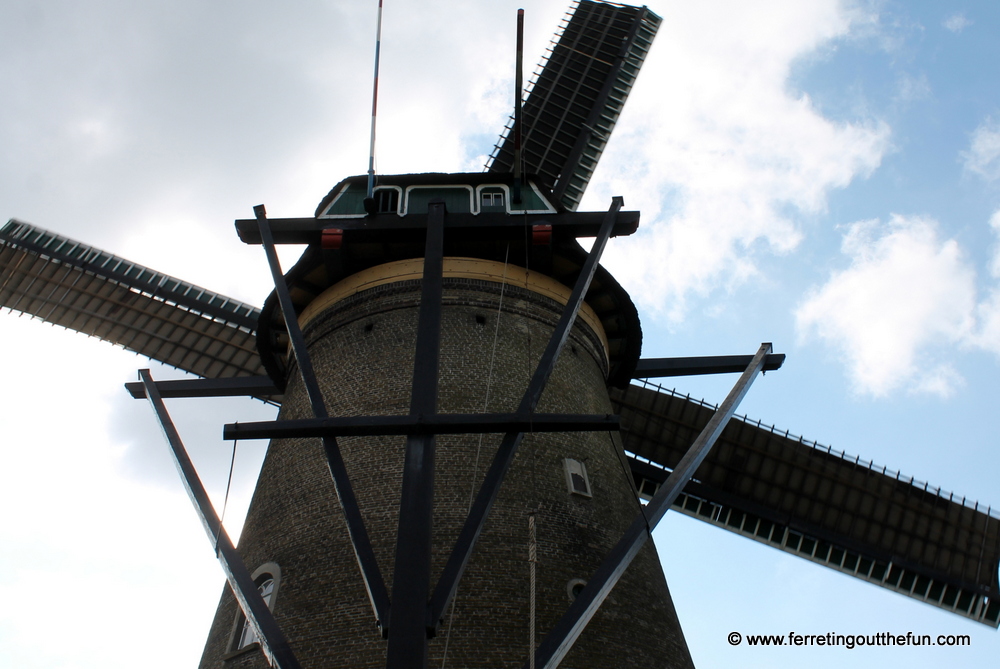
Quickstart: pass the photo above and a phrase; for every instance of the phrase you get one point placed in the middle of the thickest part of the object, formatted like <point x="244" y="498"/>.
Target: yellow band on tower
<point x="463" y="268"/>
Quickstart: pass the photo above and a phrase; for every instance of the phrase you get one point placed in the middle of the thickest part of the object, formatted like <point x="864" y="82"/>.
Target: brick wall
<point x="362" y="348"/>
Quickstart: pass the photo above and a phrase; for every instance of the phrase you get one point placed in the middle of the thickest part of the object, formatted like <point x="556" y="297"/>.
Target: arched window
<point x="267" y="578"/>
<point x="576" y="477"/>
<point x="248" y="636"/>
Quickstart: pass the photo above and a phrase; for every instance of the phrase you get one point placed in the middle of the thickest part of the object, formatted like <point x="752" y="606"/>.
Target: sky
<point x="823" y="175"/>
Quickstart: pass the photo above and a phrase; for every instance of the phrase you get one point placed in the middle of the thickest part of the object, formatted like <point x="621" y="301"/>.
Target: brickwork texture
<point x="362" y="348"/>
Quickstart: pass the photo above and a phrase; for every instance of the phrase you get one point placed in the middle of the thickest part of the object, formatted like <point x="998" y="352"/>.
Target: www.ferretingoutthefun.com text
<point x="849" y="641"/>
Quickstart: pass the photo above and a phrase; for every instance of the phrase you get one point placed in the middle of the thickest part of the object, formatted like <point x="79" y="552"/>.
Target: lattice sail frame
<point x="82" y="288"/>
<point x="576" y="95"/>
<point x="819" y="504"/>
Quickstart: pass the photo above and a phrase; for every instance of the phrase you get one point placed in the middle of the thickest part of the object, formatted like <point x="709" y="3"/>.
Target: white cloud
<point x="956" y="23"/>
<point x="905" y="291"/>
<point x="738" y="155"/>
<point x="988" y="312"/>
<point x="995" y="264"/>
<point x="910" y="89"/>
<point x="983" y="156"/>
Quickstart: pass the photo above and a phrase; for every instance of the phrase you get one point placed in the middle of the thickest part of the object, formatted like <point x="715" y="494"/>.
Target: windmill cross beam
<point x="236" y="386"/>
<point x="460" y="226"/>
<point x="421" y="424"/>
<point x="654" y="368"/>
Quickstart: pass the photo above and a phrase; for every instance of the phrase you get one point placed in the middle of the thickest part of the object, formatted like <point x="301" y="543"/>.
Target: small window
<point x="492" y="201"/>
<point x="267" y="578"/>
<point x="576" y="477"/>
<point x="247" y="635"/>
<point x="386" y="201"/>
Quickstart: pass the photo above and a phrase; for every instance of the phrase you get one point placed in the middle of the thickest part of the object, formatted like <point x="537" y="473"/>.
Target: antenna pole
<point x="517" y="106"/>
<point x="371" y="147"/>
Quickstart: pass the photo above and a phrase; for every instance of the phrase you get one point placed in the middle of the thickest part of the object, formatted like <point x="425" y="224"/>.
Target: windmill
<point x="657" y="415"/>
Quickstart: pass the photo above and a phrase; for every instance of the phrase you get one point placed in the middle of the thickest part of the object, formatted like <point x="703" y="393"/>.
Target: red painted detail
<point x="541" y="235"/>
<point x="331" y="238"/>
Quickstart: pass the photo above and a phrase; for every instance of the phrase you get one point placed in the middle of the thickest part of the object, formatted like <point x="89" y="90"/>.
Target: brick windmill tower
<point x="457" y="466"/>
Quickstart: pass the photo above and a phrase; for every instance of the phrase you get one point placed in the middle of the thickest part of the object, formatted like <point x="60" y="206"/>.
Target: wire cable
<point x="225" y="502"/>
<point x="479" y="446"/>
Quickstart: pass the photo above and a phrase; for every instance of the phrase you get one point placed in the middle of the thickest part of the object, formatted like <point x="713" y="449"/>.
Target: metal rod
<point x="407" y="646"/>
<point x="421" y="424"/>
<point x="370" y="572"/>
<point x="565" y="633"/>
<point x="371" y="146"/>
<point x="532" y="569"/>
<point x="504" y="456"/>
<point x="518" y="86"/>
<point x="258" y="615"/>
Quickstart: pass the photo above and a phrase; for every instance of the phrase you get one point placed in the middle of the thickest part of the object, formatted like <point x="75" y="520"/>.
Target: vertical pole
<point x="532" y="561"/>
<point x="517" y="107"/>
<point x="371" y="145"/>
<point x="504" y="455"/>
<point x="408" y="617"/>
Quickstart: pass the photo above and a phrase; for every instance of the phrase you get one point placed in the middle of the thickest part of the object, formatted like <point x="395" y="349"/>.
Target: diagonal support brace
<point x="467" y="538"/>
<point x="272" y="641"/>
<point x="565" y="633"/>
<point x="370" y="572"/>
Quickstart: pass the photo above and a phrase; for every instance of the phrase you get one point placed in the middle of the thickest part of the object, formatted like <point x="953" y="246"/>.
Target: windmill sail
<point x="88" y="290"/>
<point x="760" y="483"/>
<point x="796" y="496"/>
<point x="813" y="502"/>
<point x="577" y="95"/>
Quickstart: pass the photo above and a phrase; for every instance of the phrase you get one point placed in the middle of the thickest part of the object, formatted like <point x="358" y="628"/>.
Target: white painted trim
<point x="398" y="189"/>
<point x="573" y="582"/>
<point x="410" y="189"/>
<point x="509" y="202"/>
<point x="570" y="467"/>
<point x="333" y="202"/>
<point x="478" y="198"/>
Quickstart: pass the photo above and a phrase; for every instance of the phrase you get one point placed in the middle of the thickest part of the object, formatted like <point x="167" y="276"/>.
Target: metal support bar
<point x="504" y="456"/>
<point x="461" y="226"/>
<point x="421" y="424"/>
<point x="565" y="633"/>
<point x="407" y="646"/>
<point x="258" y="615"/>
<point x="236" y="386"/>
<point x="653" y="368"/>
<point x="370" y="573"/>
